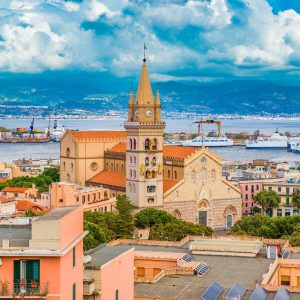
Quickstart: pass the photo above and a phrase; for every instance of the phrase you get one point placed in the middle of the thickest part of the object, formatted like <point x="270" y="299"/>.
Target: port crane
<point x="208" y="122"/>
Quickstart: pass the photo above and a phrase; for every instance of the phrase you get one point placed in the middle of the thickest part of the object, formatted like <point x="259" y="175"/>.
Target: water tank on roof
<point x="291" y="180"/>
<point x="298" y="181"/>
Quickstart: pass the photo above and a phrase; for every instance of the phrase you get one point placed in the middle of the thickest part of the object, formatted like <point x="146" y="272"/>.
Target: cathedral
<point x="185" y="181"/>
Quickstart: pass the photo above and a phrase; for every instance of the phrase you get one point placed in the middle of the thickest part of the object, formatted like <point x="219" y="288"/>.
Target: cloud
<point x="197" y="40"/>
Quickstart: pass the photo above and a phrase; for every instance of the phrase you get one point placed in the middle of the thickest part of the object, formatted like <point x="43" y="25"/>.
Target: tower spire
<point x="145" y="48"/>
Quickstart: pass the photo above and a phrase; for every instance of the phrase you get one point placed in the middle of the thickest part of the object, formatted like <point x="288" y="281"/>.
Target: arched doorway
<point x="229" y="213"/>
<point x="203" y="212"/>
<point x="229" y="221"/>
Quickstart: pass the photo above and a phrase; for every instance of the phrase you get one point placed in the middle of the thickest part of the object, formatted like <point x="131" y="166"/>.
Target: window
<point x="169" y="174"/>
<point x="26" y="274"/>
<point x="287" y="201"/>
<point x="147" y="161"/>
<point x="117" y="294"/>
<point x="175" y="175"/>
<point x="153" y="162"/>
<point x="257" y="187"/>
<point x="150" y="200"/>
<point x="130" y="187"/>
<point x="147" y="144"/>
<point x="285" y="280"/>
<point x="270" y="188"/>
<point x="287" y="212"/>
<point x="295" y="212"/>
<point x="246" y="196"/>
<point x="252" y="188"/>
<point x="83" y="199"/>
<point x="279" y="212"/>
<point x="246" y="204"/>
<point x="130" y="159"/>
<point x="134" y="174"/>
<point x="130" y="172"/>
<point x="134" y="143"/>
<point x="74" y="291"/>
<point x="68" y="152"/>
<point x="133" y="187"/>
<point x="130" y="144"/>
<point x="247" y="188"/>
<point x="287" y="191"/>
<point x="151" y="188"/>
<point x="279" y="189"/>
<point x="74" y="256"/>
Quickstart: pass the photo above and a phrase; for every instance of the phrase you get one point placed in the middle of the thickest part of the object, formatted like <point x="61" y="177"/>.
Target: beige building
<point x="90" y="198"/>
<point x="285" y="190"/>
<point x="184" y="181"/>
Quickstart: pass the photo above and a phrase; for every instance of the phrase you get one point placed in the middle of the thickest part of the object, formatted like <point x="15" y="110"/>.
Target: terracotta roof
<point x="6" y="200"/>
<point x="119" y="148"/>
<point x="24" y="205"/>
<point x="3" y="180"/>
<point x="15" y="189"/>
<point x="110" y="178"/>
<point x="98" y="134"/>
<point x="178" y="151"/>
<point x="168" y="151"/>
<point x="168" y="184"/>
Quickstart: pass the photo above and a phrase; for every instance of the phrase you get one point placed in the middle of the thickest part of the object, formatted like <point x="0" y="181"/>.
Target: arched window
<point x="153" y="174"/>
<point x="134" y="174"/>
<point x="154" y="146"/>
<point x="130" y="173"/>
<point x="175" y="175"/>
<point x="83" y="199"/>
<point x="153" y="162"/>
<point x="134" y="160"/>
<point x="133" y="187"/>
<point x="134" y="143"/>
<point x="147" y="161"/>
<point x="130" y="143"/>
<point x="203" y="174"/>
<point x="112" y="166"/>
<point x="117" y="167"/>
<point x="72" y="167"/>
<point x="130" y="187"/>
<point x="64" y="166"/>
<point x="169" y="174"/>
<point x="213" y="175"/>
<point x="68" y="152"/>
<point x="147" y="144"/>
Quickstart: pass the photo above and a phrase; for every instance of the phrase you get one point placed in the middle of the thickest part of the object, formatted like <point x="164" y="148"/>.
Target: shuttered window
<point x="74" y="292"/>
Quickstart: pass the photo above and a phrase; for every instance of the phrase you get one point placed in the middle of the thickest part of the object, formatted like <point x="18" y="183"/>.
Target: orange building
<point x="90" y="198"/>
<point x="44" y="260"/>
<point x="20" y="193"/>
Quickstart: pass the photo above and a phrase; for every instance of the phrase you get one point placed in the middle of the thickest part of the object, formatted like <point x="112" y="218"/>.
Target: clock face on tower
<point x="148" y="113"/>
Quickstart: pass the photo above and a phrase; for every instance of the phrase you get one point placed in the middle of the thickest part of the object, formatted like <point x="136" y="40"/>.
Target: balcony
<point x="33" y="290"/>
<point x="89" y="287"/>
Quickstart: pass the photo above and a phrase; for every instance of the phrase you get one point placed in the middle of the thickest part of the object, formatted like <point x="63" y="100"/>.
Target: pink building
<point x="45" y="259"/>
<point x="249" y="188"/>
<point x="90" y="198"/>
<point x="109" y="273"/>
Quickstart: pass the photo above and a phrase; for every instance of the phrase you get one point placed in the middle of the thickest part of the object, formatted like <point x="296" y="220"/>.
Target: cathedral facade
<point x="187" y="182"/>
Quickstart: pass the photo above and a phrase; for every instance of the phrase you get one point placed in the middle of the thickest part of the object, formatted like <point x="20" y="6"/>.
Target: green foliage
<point x="42" y="181"/>
<point x="112" y="225"/>
<point x="296" y="198"/>
<point x="53" y="173"/>
<point x="31" y="213"/>
<point x="294" y="239"/>
<point x="175" y="231"/>
<point x="267" y="200"/>
<point x="264" y="226"/>
<point x="95" y="237"/>
<point x="149" y="217"/>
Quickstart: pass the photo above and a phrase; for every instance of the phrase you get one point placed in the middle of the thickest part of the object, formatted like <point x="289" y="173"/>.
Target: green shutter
<point x="32" y="270"/>
<point x="74" y="292"/>
<point x="74" y="256"/>
<point x="16" y="271"/>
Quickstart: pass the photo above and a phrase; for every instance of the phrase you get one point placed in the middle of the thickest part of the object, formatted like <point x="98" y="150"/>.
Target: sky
<point x="203" y="41"/>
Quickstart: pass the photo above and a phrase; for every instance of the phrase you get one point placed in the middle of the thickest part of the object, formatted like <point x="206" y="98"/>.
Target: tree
<point x="149" y="217"/>
<point x="53" y="173"/>
<point x="267" y="200"/>
<point x="124" y="221"/>
<point x="95" y="237"/>
<point x="296" y="198"/>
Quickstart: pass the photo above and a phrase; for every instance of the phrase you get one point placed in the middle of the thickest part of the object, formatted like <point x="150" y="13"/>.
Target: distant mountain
<point x="97" y="93"/>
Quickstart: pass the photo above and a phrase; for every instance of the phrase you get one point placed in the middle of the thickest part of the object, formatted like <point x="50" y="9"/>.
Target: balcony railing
<point x="32" y="289"/>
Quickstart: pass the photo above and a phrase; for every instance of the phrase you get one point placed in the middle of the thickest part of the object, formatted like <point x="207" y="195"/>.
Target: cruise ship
<point x="275" y="141"/>
<point x="293" y="143"/>
<point x="208" y="142"/>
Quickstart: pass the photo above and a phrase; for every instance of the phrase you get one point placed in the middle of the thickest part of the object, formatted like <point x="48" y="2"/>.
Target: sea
<point x="10" y="152"/>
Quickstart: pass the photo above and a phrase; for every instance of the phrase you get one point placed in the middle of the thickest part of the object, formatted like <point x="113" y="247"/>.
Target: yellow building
<point x="184" y="181"/>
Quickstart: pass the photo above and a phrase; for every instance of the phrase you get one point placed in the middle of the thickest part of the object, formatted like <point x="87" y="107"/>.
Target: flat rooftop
<point x="57" y="213"/>
<point x="225" y="270"/>
<point x="103" y="254"/>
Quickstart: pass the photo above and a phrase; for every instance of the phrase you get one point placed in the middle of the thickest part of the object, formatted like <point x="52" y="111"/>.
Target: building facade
<point x="185" y="181"/>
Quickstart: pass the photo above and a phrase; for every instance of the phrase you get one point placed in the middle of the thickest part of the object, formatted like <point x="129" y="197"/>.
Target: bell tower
<point x="144" y="150"/>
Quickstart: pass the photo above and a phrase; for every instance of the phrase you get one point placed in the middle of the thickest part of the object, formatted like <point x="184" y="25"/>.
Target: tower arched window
<point x="130" y="187"/>
<point x="154" y="146"/>
<point x="153" y="162"/>
<point x="169" y="174"/>
<point x="134" y="160"/>
<point x="134" y="143"/>
<point x="130" y="173"/>
<point x="175" y="175"/>
<point x="134" y="174"/>
<point x="130" y="143"/>
<point x="147" y="144"/>
<point x="147" y="161"/>
<point x="133" y="188"/>
<point x="64" y="166"/>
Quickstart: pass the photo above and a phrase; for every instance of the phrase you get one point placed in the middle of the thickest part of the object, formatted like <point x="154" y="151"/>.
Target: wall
<point x="118" y="274"/>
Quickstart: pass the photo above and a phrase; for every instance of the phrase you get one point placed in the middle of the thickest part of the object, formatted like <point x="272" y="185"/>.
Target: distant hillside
<point x="98" y="93"/>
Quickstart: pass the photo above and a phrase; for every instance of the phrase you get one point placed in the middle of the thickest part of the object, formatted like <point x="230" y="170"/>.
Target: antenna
<point x="145" y="48"/>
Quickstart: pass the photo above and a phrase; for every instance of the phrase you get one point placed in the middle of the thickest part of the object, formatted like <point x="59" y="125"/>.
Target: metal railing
<point x="31" y="289"/>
